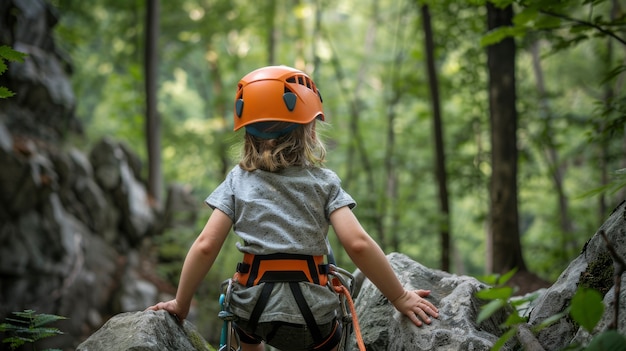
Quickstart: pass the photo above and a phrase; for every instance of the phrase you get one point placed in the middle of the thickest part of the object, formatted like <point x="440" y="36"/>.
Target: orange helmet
<point x="277" y="94"/>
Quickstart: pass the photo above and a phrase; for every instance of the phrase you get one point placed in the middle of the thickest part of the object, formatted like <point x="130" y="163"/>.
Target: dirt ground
<point x="527" y="282"/>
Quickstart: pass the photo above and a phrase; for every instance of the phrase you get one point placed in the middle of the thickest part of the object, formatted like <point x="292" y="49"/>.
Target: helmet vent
<point x="304" y="81"/>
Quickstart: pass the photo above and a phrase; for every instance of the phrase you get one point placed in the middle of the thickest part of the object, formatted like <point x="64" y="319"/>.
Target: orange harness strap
<point x="280" y="267"/>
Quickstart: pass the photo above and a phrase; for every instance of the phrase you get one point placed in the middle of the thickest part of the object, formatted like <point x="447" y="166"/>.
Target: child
<point x="280" y="202"/>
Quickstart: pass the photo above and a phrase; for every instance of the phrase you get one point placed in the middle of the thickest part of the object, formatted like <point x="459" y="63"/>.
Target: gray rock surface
<point x="556" y="298"/>
<point x="145" y="331"/>
<point x="385" y="329"/>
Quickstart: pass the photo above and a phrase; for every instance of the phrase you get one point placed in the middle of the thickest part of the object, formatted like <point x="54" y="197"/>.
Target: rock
<point x="557" y="298"/>
<point x="114" y="173"/>
<point x="145" y="331"/>
<point x="41" y="83"/>
<point x="385" y="329"/>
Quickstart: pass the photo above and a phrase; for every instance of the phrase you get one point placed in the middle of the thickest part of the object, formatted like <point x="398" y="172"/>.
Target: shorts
<point x="289" y="336"/>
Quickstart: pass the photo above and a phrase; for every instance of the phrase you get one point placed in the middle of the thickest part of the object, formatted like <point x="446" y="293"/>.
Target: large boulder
<point x="145" y="331"/>
<point x="385" y="329"/>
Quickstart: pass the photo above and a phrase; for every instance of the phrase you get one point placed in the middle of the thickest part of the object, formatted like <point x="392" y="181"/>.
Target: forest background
<point x="371" y="61"/>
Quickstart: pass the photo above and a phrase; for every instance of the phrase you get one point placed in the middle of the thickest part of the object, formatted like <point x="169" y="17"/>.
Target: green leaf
<point x="587" y="308"/>
<point x="524" y="300"/>
<point x="501" y="3"/>
<point x="497" y="279"/>
<point x="496" y="35"/>
<point x="11" y="55"/>
<point x="489" y="309"/>
<point x="42" y="319"/>
<point x="507" y="276"/>
<point x="525" y="16"/>
<point x="503" y="293"/>
<point x="514" y="319"/>
<point x="503" y="339"/>
<point x="609" y="340"/>
<point x="550" y="320"/>
<point x="547" y="22"/>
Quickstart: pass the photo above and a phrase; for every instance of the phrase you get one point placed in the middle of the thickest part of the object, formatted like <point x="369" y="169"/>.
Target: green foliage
<point x="608" y="341"/>
<point x="8" y="54"/>
<point x="28" y="327"/>
<point x="499" y="297"/>
<point x="586" y="309"/>
<point x="617" y="183"/>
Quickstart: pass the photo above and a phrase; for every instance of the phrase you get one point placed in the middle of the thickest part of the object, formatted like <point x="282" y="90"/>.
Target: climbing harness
<point x="228" y="333"/>
<point x="291" y="269"/>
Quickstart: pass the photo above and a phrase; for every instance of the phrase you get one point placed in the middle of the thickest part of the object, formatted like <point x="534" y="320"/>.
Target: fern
<point x="8" y="54"/>
<point x="28" y="327"/>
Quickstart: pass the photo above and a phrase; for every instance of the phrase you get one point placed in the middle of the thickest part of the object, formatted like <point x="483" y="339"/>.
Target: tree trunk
<point x="440" y="157"/>
<point x="153" y="122"/>
<point x="547" y="144"/>
<point x="506" y="248"/>
<point x="271" y="32"/>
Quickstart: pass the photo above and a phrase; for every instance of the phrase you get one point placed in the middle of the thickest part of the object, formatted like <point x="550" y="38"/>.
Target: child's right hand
<point x="413" y="305"/>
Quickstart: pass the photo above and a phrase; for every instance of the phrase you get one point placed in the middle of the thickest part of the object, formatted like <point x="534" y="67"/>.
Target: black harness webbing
<point x="306" y="312"/>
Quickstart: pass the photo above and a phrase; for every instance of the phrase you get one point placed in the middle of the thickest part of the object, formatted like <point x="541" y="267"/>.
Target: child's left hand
<point x="172" y="307"/>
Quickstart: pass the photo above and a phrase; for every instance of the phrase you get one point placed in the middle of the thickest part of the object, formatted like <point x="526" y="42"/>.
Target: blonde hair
<point x="300" y="147"/>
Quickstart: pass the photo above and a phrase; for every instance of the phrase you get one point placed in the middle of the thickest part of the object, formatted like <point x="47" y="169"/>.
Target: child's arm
<point x="371" y="260"/>
<point x="199" y="260"/>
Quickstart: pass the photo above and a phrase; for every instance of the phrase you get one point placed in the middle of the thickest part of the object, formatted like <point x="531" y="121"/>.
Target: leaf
<point x="501" y="3"/>
<point x="514" y="319"/>
<point x="507" y="276"/>
<point x="11" y="55"/>
<point x="587" y="308"/>
<point x="42" y="319"/>
<point x="609" y="340"/>
<point x="614" y="73"/>
<point x="502" y="293"/>
<point x="489" y="309"/>
<point x="498" y="34"/>
<point x="497" y="279"/>
<point x="525" y="16"/>
<point x="490" y="279"/>
<point x="550" y="320"/>
<point x="547" y="22"/>
<point x="503" y="339"/>
<point x="494" y="36"/>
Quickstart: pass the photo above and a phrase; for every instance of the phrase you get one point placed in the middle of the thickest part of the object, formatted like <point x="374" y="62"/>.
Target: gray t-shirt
<point x="282" y="212"/>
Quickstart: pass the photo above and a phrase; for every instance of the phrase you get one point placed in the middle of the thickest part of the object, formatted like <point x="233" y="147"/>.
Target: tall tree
<point x="546" y="139"/>
<point x="272" y="31"/>
<point x="440" y="158"/>
<point x="153" y="123"/>
<point x="504" y="246"/>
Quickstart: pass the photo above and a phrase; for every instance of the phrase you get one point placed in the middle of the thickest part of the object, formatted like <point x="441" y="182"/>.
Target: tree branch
<point x="527" y="339"/>
<point x="587" y="24"/>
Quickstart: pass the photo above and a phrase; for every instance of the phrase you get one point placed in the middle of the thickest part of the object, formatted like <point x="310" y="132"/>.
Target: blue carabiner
<point x="224" y="334"/>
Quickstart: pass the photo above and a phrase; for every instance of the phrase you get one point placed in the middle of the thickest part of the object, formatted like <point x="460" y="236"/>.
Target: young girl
<point x="280" y="202"/>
